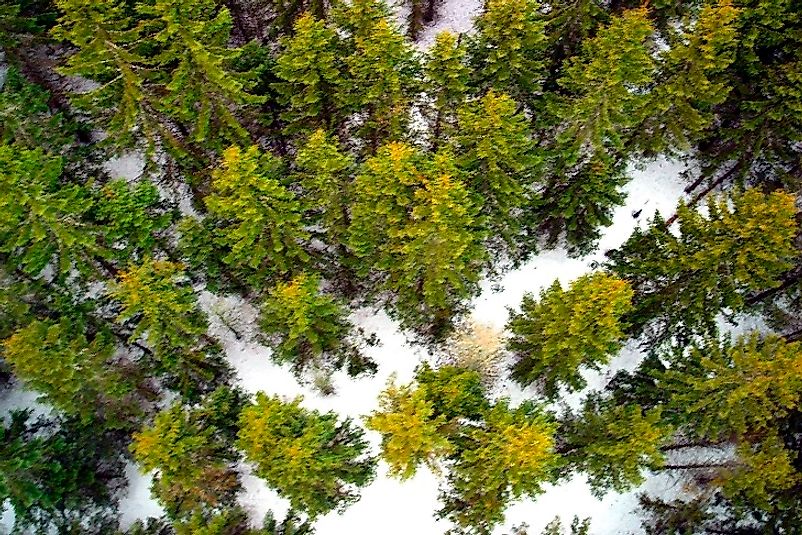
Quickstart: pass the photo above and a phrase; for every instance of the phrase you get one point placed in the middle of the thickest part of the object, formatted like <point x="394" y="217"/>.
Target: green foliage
<point x="578" y="527"/>
<point x="311" y="72"/>
<point x="446" y="83"/>
<point x="72" y="372"/>
<point x="507" y="52"/>
<point x="380" y="85"/>
<point x="507" y="458"/>
<point x="680" y="106"/>
<point x="496" y="152"/>
<point x="683" y="281"/>
<point x="568" y="329"/>
<point x="55" y="475"/>
<point x="606" y="89"/>
<point x="259" y="220"/>
<point x="42" y="218"/>
<point x="163" y="306"/>
<point x="359" y="17"/>
<point x="324" y="173"/>
<point x="132" y="218"/>
<point x="311" y="328"/>
<point x="194" y="461"/>
<point x="743" y="387"/>
<point x="313" y="460"/>
<point x="568" y="25"/>
<point x="613" y="444"/>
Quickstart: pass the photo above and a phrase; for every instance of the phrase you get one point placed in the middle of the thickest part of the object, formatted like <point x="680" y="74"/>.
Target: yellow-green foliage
<point x="566" y="329"/>
<point x="411" y="432"/>
<point x="313" y="460"/>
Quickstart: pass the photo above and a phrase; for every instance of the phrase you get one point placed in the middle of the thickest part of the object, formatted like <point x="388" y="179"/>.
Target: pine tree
<point x="613" y="444"/>
<point x="259" y="220"/>
<point x="381" y="82"/>
<point x="683" y="281"/>
<point x="310" y="328"/>
<point x="311" y="72"/>
<point x="553" y="338"/>
<point x="156" y="297"/>
<point x="42" y="221"/>
<point x="193" y="460"/>
<point x="568" y="25"/>
<point x="743" y="387"/>
<point x="72" y="372"/>
<point x="507" y="51"/>
<point x="358" y="18"/>
<point x="194" y="62"/>
<point x="586" y="160"/>
<point x="324" y="173"/>
<point x="690" y="84"/>
<point x="446" y="84"/>
<point x="509" y="457"/>
<point x="310" y="458"/>
<point x="496" y="152"/>
<point x="289" y="12"/>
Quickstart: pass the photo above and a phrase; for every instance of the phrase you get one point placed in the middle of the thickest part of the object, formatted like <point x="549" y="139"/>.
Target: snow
<point x="455" y="16"/>
<point x="129" y="166"/>
<point x="137" y="503"/>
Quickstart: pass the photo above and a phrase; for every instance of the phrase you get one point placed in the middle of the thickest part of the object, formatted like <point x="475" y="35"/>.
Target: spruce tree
<point x="311" y="72"/>
<point x="683" y="281"/>
<point x="74" y="373"/>
<point x="566" y="330"/>
<point x="315" y="461"/>
<point x="381" y="82"/>
<point x="446" y="84"/>
<point x="259" y="221"/>
<point x="606" y="88"/>
<point x="507" y="51"/>
<point x="310" y="329"/>
<point x="497" y="153"/>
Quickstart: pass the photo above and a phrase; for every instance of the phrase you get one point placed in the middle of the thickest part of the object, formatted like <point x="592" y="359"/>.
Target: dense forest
<point x="309" y="157"/>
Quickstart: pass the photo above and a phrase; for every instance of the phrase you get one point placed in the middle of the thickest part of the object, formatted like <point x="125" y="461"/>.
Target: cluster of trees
<point x="330" y="163"/>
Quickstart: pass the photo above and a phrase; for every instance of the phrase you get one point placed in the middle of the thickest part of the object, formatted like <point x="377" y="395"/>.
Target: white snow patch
<point x="137" y="503"/>
<point x="456" y="16"/>
<point x="129" y="166"/>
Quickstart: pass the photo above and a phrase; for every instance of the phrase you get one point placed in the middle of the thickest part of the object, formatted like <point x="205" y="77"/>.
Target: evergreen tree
<point x="446" y="84"/>
<point x="613" y="444"/>
<point x="743" y="387"/>
<point x="42" y="221"/>
<point x="313" y="460"/>
<point x="507" y="52"/>
<point x="311" y="73"/>
<point x="380" y="84"/>
<point x="310" y="328"/>
<point x="156" y="296"/>
<point x="358" y="18"/>
<point x="497" y="153"/>
<point x="586" y="159"/>
<point x="691" y="84"/>
<point x="568" y="329"/>
<point x="683" y="281"/>
<point x="568" y="25"/>
<point x="193" y="460"/>
<point x="289" y="12"/>
<point x="72" y="372"/>
<point x="324" y="173"/>
<point x="259" y="220"/>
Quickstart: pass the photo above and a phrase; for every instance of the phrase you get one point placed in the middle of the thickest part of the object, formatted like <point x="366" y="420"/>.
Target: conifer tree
<point x="310" y="458"/>
<point x="691" y="84"/>
<point x="507" y="52"/>
<point x="72" y="372"/>
<point x="586" y="168"/>
<point x="682" y="282"/>
<point x="201" y="86"/>
<point x="446" y="83"/>
<point x="496" y="152"/>
<point x="42" y="220"/>
<point x="742" y="387"/>
<point x="311" y="72"/>
<point x="565" y="330"/>
<point x="157" y="298"/>
<point x="613" y="444"/>
<point x="259" y="220"/>
<point x="289" y="12"/>
<point x="359" y="17"/>
<point x="568" y="25"/>
<point x="193" y="460"/>
<point x="324" y="173"/>
<point x="381" y="81"/>
<point x="310" y="328"/>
